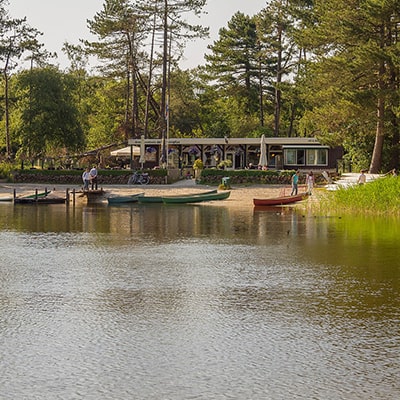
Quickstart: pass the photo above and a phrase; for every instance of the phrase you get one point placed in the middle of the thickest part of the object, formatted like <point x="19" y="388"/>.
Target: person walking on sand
<point x="93" y="177"/>
<point x="310" y="182"/>
<point x="295" y="183"/>
<point x="86" y="179"/>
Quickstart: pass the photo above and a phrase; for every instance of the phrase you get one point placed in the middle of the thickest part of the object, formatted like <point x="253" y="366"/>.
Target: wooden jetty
<point x="39" y="197"/>
<point x="92" y="196"/>
<point x="51" y="197"/>
<point x="40" y="200"/>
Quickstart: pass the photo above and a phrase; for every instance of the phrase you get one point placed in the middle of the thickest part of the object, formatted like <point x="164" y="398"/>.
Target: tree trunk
<point x="7" y="115"/>
<point x="293" y="107"/>
<point x="395" y="156"/>
<point x="278" y="93"/>
<point x="149" y="80"/>
<point x="261" y="94"/>
<point x="376" y="160"/>
<point x="135" y="107"/>
<point x="163" y="108"/>
<point x="127" y="99"/>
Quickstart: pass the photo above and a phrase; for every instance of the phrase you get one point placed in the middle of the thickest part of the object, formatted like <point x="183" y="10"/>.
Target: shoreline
<point x="240" y="195"/>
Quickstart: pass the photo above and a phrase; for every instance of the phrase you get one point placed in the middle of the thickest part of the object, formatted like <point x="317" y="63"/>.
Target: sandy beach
<point x="240" y="195"/>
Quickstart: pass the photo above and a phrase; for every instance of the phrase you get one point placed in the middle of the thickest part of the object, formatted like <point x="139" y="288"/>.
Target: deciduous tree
<point x="16" y="38"/>
<point x="47" y="116"/>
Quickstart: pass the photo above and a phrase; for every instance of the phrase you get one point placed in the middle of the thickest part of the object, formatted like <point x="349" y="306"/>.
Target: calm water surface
<point x="197" y="302"/>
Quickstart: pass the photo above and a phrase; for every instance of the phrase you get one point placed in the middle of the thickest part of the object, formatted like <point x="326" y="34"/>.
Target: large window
<point x="316" y="156"/>
<point x="294" y="156"/>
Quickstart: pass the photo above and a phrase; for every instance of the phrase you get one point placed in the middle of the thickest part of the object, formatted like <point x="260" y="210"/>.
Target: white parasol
<point x="126" y="151"/>
<point x="263" y="162"/>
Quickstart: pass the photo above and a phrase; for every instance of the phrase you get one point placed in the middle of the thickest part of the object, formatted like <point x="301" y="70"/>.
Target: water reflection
<point x="150" y="301"/>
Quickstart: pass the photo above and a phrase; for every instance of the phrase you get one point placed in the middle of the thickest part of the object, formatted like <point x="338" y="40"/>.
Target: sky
<point x="62" y="21"/>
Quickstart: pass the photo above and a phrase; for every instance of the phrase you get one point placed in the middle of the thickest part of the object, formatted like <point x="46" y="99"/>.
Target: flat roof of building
<point x="296" y="141"/>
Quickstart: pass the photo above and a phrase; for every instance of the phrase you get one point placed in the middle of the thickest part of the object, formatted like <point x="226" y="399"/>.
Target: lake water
<point x="197" y="302"/>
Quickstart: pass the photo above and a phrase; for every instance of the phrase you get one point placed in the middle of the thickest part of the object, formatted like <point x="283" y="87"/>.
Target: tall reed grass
<point x="381" y="196"/>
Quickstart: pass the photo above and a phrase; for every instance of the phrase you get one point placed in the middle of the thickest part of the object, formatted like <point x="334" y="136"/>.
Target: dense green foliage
<point x="6" y="170"/>
<point x="46" y="115"/>
<point x="352" y="85"/>
<point x="324" y="68"/>
<point x="107" y="177"/>
<point x="250" y="176"/>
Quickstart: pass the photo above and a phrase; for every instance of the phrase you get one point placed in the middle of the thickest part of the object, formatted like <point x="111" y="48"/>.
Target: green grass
<point x="381" y="196"/>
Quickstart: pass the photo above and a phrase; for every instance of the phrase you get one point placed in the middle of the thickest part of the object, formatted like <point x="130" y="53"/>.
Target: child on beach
<point x="362" y="178"/>
<point x="310" y="182"/>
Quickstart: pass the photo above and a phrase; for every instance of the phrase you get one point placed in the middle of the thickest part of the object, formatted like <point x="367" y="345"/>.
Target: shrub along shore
<point x="378" y="197"/>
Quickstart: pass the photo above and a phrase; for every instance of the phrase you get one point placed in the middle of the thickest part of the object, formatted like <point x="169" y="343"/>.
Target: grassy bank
<point x="378" y="197"/>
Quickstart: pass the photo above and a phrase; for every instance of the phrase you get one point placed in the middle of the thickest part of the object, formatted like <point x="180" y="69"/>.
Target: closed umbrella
<point x="263" y="162"/>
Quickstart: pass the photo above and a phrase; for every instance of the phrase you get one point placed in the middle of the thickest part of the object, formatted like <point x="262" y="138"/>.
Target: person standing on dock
<point x="86" y="179"/>
<point x="93" y="177"/>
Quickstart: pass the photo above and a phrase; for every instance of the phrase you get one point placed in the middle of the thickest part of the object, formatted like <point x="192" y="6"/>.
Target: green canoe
<point x="150" y="199"/>
<point x="131" y="198"/>
<point x="196" y="198"/>
<point x="160" y="199"/>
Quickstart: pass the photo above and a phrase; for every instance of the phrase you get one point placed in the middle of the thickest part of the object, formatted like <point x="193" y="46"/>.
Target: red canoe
<point x="280" y="201"/>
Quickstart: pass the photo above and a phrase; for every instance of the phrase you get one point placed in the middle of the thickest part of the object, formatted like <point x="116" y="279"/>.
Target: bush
<point x="6" y="171"/>
<point x="64" y="176"/>
<point x="225" y="164"/>
<point x="211" y="176"/>
<point x="198" y="164"/>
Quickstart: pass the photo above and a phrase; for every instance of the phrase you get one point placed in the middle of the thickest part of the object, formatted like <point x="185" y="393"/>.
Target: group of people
<point x="295" y="182"/>
<point x="262" y="167"/>
<point x="89" y="177"/>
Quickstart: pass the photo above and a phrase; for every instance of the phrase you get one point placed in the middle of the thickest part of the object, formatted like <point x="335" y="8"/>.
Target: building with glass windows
<point x="282" y="152"/>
